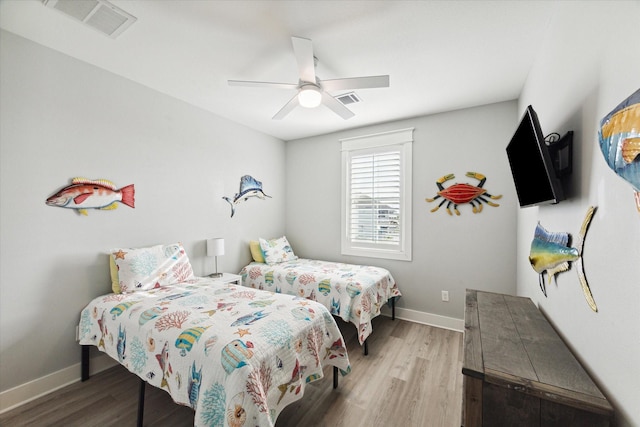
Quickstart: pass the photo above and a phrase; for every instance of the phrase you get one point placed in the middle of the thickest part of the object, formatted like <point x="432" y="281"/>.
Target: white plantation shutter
<point x="375" y="198"/>
<point x="376" y="218"/>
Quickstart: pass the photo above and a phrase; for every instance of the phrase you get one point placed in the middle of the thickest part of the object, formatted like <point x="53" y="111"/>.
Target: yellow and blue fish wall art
<point x="619" y="138"/>
<point x="551" y="253"/>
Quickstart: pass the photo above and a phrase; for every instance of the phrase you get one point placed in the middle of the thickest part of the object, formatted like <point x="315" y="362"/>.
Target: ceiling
<point x="440" y="55"/>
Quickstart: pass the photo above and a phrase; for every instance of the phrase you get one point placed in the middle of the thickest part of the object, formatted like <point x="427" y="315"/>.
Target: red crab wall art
<point x="463" y="193"/>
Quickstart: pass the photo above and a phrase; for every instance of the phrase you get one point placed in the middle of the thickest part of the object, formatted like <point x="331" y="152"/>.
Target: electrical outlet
<point x="445" y="296"/>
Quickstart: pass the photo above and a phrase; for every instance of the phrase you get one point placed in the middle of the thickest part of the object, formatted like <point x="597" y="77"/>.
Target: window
<point x="376" y="195"/>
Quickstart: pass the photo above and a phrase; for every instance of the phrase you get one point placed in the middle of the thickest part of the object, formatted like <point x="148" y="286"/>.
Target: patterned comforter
<point x="237" y="356"/>
<point x="355" y="293"/>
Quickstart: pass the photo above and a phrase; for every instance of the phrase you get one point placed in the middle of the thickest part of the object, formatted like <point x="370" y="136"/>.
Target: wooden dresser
<point x="517" y="371"/>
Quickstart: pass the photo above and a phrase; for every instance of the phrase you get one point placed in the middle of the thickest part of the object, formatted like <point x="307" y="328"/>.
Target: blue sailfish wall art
<point x="551" y="253"/>
<point x="249" y="187"/>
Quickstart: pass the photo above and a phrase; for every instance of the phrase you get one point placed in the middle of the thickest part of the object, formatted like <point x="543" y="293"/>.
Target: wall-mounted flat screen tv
<point x="536" y="165"/>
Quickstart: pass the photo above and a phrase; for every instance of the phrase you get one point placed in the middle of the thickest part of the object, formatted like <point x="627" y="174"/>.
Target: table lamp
<point x="215" y="248"/>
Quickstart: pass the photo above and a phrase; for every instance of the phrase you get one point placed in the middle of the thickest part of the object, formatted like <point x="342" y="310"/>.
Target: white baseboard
<point x="19" y="395"/>
<point x="426" y="318"/>
<point x="27" y="392"/>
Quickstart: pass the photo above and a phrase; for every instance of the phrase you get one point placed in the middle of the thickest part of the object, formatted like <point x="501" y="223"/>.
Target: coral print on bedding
<point x="237" y="356"/>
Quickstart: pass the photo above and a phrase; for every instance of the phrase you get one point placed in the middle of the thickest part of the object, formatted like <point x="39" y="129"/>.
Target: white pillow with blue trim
<point x="141" y="269"/>
<point x="276" y="250"/>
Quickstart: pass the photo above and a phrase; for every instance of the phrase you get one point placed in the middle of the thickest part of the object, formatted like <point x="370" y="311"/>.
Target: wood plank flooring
<point x="411" y="377"/>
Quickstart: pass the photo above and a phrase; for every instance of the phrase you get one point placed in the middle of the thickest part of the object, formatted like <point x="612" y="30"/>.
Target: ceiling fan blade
<point x="262" y="84"/>
<point x="303" y="49"/>
<point x="288" y="107"/>
<point x="355" y="83"/>
<point x="336" y="106"/>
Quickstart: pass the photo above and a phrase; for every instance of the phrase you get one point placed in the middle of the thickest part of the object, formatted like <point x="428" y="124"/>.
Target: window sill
<point x="373" y="253"/>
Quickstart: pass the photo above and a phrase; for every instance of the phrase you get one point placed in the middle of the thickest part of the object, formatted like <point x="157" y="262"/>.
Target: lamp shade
<point x="215" y="247"/>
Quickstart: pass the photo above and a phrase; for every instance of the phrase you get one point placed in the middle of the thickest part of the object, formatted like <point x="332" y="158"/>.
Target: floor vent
<point x="98" y="14"/>
<point x="348" y="98"/>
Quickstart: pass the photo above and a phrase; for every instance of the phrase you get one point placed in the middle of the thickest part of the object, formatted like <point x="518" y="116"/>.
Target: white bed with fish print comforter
<point x="355" y="293"/>
<point x="237" y="356"/>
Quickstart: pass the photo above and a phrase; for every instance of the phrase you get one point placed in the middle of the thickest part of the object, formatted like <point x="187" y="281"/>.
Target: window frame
<point x="379" y="142"/>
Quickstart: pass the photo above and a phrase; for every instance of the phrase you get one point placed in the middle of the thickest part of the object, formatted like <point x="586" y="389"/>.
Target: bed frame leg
<point x="365" y="348"/>
<point x="393" y="308"/>
<point x="84" y="363"/>
<point x="141" y="403"/>
<point x="335" y="377"/>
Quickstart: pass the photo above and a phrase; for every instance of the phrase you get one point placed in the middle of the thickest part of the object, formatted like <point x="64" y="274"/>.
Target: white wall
<point x="62" y="118"/>
<point x="590" y="63"/>
<point x="449" y="252"/>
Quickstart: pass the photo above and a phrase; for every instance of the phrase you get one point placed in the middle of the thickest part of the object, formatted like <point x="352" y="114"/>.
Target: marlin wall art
<point x="249" y="187"/>
<point x="85" y="194"/>
<point x="550" y="252"/>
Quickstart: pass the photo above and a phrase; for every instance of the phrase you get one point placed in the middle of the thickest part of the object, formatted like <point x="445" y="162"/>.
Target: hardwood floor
<point x="411" y="377"/>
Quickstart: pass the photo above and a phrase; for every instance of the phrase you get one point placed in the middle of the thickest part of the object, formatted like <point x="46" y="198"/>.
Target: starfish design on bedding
<point x="242" y="332"/>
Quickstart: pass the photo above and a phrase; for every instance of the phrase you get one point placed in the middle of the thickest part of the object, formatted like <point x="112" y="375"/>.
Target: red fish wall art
<point x="85" y="194"/>
<point x="457" y="194"/>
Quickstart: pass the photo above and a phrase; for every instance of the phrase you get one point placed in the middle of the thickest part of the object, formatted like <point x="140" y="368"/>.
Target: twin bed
<point x="235" y="354"/>
<point x="355" y="293"/>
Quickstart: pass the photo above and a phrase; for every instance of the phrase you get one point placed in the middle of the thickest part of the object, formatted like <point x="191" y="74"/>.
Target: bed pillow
<point x="142" y="269"/>
<point x="256" y="251"/>
<point x="276" y="250"/>
<point x="113" y="270"/>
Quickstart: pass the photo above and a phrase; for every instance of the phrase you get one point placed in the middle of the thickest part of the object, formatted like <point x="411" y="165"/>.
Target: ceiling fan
<point x="311" y="90"/>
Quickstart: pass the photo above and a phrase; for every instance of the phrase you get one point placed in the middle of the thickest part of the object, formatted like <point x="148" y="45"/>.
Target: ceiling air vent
<point x="348" y="98"/>
<point x="98" y="14"/>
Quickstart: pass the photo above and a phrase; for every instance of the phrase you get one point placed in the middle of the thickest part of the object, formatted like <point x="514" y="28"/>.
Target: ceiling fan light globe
<point x="309" y="97"/>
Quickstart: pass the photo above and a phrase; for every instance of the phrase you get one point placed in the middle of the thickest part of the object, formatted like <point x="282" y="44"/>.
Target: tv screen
<point x="531" y="164"/>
